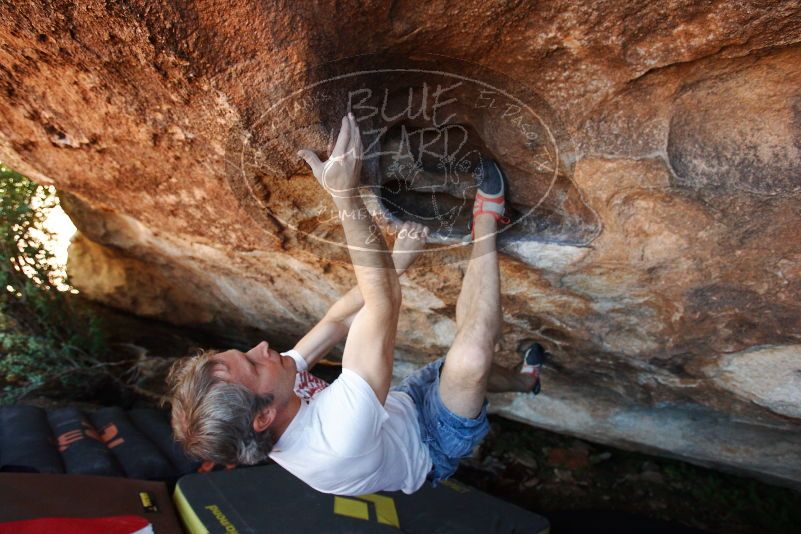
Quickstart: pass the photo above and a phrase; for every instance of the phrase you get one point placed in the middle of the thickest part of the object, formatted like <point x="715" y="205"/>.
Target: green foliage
<point x="47" y="338"/>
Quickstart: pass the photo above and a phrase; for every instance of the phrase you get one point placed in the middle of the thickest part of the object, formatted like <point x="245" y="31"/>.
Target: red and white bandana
<point x="307" y="385"/>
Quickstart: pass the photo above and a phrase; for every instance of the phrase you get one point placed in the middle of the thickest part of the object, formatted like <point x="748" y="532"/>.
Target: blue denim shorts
<point x="449" y="437"/>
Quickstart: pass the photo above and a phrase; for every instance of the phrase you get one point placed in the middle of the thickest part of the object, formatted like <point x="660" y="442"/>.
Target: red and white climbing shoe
<point x="533" y="357"/>
<point x="490" y="196"/>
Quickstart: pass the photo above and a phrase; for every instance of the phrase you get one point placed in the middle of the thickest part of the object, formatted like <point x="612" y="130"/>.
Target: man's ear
<point x="264" y="419"/>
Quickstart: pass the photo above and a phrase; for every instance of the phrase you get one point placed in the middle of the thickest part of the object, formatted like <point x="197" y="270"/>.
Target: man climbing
<point x="357" y="435"/>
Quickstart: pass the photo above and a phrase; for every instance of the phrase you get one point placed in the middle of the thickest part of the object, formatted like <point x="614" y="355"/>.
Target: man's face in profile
<point x="261" y="369"/>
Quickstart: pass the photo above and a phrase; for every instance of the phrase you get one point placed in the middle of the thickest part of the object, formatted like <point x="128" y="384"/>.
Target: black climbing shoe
<point x="533" y="358"/>
<point x="491" y="179"/>
<point x="490" y="196"/>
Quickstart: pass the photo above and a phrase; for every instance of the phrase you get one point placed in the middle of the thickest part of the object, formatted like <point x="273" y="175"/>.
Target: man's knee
<point x="469" y="365"/>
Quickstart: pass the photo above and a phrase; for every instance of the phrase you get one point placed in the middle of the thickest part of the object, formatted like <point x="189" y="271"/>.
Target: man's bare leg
<point x="463" y="383"/>
<point x="502" y="379"/>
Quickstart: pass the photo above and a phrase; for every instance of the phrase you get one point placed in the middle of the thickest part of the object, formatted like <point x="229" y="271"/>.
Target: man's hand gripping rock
<point x="339" y="174"/>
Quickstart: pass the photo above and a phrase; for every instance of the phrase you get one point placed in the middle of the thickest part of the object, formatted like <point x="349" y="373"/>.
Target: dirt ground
<point x="584" y="487"/>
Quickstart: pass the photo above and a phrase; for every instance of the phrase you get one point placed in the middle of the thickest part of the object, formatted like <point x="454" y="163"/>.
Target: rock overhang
<point x="670" y="238"/>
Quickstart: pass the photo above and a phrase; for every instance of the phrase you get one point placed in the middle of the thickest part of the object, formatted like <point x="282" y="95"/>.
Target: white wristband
<point x="300" y="363"/>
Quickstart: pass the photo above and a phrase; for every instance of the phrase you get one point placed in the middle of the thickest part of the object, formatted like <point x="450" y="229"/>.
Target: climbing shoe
<point x="490" y="195"/>
<point x="533" y="358"/>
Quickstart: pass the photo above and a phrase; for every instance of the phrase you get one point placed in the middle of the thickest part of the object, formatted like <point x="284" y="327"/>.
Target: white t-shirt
<point x="343" y="441"/>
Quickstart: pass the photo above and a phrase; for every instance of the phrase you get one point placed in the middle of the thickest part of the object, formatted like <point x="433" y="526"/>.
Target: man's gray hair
<point x="213" y="419"/>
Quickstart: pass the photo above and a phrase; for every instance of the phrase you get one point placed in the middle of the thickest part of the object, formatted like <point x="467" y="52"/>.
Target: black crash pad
<point x="269" y="499"/>
<point x="138" y="444"/>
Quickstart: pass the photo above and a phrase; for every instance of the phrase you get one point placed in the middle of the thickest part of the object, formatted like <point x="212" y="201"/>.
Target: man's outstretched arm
<point x="371" y="341"/>
<point x="334" y="326"/>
